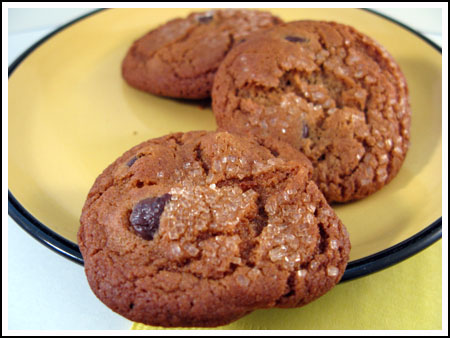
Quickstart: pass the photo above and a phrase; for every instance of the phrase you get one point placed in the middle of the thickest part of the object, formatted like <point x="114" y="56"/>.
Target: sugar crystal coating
<point x="332" y="271"/>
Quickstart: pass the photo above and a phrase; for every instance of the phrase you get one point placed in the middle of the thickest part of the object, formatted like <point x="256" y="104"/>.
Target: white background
<point x="46" y="291"/>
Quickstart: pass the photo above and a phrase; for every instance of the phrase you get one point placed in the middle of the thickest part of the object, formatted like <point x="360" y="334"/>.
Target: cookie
<point x="327" y="90"/>
<point x="179" y="59"/>
<point x="200" y="229"/>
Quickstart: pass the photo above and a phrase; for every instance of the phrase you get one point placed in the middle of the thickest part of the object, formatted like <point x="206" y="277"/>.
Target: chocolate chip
<point x="291" y="38"/>
<point x="145" y="215"/>
<point x="274" y="152"/>
<point x="131" y="161"/>
<point x="205" y="19"/>
<point x="305" y="130"/>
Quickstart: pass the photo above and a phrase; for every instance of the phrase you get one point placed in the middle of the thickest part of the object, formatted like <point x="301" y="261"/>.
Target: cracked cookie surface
<point x="329" y="91"/>
<point x="179" y="59"/>
<point x="199" y="229"/>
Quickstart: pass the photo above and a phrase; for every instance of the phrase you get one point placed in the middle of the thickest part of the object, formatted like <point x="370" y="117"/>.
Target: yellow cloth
<point x="406" y="296"/>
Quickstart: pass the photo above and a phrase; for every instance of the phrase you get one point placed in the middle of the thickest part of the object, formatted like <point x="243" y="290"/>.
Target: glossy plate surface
<point x="71" y="115"/>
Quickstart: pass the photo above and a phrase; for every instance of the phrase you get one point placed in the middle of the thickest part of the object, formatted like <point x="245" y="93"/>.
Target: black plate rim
<point x="355" y="269"/>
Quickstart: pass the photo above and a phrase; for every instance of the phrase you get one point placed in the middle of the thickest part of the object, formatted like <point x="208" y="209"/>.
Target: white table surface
<point x="46" y="291"/>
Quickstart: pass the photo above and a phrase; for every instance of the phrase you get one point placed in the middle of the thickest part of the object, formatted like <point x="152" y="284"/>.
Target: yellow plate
<point x="71" y="114"/>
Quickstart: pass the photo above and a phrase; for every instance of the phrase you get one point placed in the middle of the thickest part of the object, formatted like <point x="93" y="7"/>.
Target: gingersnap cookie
<point x="199" y="229"/>
<point x="329" y="91"/>
<point x="179" y="59"/>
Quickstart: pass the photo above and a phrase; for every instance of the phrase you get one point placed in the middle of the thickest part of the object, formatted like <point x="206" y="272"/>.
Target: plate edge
<point x="411" y="30"/>
<point x="394" y="254"/>
<point x="41" y="232"/>
<point x="30" y="49"/>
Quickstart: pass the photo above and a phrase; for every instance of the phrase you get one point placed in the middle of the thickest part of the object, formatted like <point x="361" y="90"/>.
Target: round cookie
<point x="329" y="91"/>
<point x="179" y="59"/>
<point x="199" y="229"/>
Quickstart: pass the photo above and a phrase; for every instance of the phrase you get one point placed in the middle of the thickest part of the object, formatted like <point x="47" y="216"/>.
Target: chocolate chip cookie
<point x="179" y="59"/>
<point x="199" y="229"/>
<point x="326" y="89"/>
